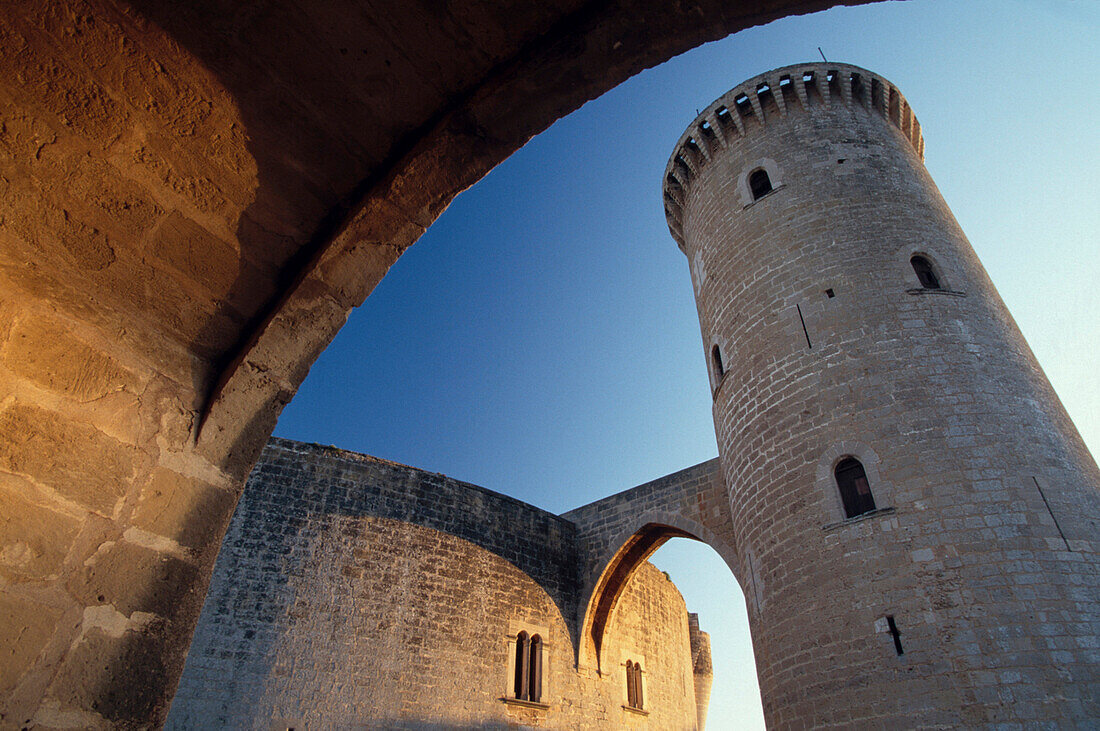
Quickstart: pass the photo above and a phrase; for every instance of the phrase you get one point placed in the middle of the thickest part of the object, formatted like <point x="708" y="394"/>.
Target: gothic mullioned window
<point x="528" y="668"/>
<point x="855" y="492"/>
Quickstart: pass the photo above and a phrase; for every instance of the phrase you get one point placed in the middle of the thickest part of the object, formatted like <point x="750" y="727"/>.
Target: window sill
<point x="526" y="704"/>
<point x="637" y="711"/>
<point x="946" y="292"/>
<point x="754" y="202"/>
<point x="871" y="515"/>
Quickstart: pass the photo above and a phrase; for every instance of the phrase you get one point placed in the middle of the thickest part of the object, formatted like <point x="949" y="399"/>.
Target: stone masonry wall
<point x="617" y="533"/>
<point x="352" y="591"/>
<point x="983" y="547"/>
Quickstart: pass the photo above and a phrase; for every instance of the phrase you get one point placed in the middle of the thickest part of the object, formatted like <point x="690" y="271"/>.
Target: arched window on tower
<point x="759" y="184"/>
<point x="855" y="492"/>
<point x="926" y="273"/>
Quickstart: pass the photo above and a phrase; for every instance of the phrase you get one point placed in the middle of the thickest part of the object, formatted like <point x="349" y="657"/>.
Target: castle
<point x="355" y="592"/>
<point x="910" y="512"/>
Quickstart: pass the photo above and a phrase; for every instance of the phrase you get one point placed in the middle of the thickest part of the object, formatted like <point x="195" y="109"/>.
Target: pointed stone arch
<point x="631" y="547"/>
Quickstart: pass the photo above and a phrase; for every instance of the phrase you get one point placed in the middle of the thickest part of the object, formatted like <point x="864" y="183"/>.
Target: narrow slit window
<point x="534" y="670"/>
<point x="719" y="368"/>
<point x="855" y="491"/>
<point x="631" y="689"/>
<point x="634" y="697"/>
<point x="759" y="184"/>
<point x="893" y="628"/>
<point x="522" y="648"/>
<point x="639" y="701"/>
<point x="925" y="272"/>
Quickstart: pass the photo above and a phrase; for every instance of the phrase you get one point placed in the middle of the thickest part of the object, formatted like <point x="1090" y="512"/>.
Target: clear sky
<point x="541" y="339"/>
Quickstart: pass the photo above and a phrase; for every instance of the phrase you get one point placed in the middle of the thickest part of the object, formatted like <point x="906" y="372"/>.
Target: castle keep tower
<point x="915" y="514"/>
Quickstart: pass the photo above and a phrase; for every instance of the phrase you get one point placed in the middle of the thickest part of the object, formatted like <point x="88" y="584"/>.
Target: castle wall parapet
<point x="770" y="97"/>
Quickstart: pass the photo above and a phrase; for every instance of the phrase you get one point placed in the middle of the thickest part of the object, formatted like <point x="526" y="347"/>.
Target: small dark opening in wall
<point x="691" y="144"/>
<point x="784" y="81"/>
<point x="722" y="113"/>
<point x="857" y="87"/>
<point x="719" y="368"/>
<point x="840" y="160"/>
<point x="855" y="491"/>
<point x="830" y="293"/>
<point x="744" y="106"/>
<point x="895" y="634"/>
<point x="706" y="129"/>
<point x="808" y="77"/>
<point x="760" y="184"/>
<point x="682" y="166"/>
<point x="925" y="273"/>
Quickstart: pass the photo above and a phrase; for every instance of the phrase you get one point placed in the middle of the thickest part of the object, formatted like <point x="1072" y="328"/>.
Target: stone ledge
<point x="877" y="513"/>
<point x="526" y="704"/>
<point x="753" y="202"/>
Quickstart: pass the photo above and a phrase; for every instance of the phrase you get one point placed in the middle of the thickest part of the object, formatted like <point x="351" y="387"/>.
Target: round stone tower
<point x="916" y="516"/>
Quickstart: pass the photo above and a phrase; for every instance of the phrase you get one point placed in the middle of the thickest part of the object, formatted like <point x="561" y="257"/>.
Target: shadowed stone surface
<point x="355" y="591"/>
<point x="192" y="198"/>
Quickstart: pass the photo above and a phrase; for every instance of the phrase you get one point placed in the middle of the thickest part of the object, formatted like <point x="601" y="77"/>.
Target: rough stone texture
<point x="192" y="198"/>
<point x="618" y="533"/>
<point x="984" y="547"/>
<point x="354" y="591"/>
<point x="702" y="668"/>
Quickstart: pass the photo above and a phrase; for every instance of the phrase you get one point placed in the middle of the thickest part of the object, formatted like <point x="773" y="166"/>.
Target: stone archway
<point x="599" y="604"/>
<point x="193" y="199"/>
<point x="617" y="534"/>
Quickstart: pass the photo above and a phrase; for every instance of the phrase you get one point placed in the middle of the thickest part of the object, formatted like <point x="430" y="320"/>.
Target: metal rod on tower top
<point x="822" y="55"/>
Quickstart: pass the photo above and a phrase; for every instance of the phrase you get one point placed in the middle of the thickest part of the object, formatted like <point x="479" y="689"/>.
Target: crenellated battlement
<point x="762" y="100"/>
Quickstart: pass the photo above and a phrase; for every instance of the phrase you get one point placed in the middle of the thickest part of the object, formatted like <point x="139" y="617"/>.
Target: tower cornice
<point x="768" y="98"/>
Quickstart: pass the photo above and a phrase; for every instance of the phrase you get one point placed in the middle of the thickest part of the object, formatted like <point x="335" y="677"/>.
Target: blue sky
<point x="541" y="339"/>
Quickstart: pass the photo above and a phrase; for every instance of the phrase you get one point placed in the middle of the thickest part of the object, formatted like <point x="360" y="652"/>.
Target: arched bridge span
<point x="616" y="534"/>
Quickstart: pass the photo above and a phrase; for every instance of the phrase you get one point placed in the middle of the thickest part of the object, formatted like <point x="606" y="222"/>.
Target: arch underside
<point x="195" y="196"/>
<point x="630" y="551"/>
<point x="615" y="577"/>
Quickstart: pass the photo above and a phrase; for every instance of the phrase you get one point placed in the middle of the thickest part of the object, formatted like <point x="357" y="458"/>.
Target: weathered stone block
<point x="25" y="628"/>
<point x="78" y="461"/>
<point x="47" y="354"/>
<point x="34" y="539"/>
<point x="119" y="678"/>
<point x="133" y="578"/>
<point x="188" y="511"/>
<point x="196" y="253"/>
